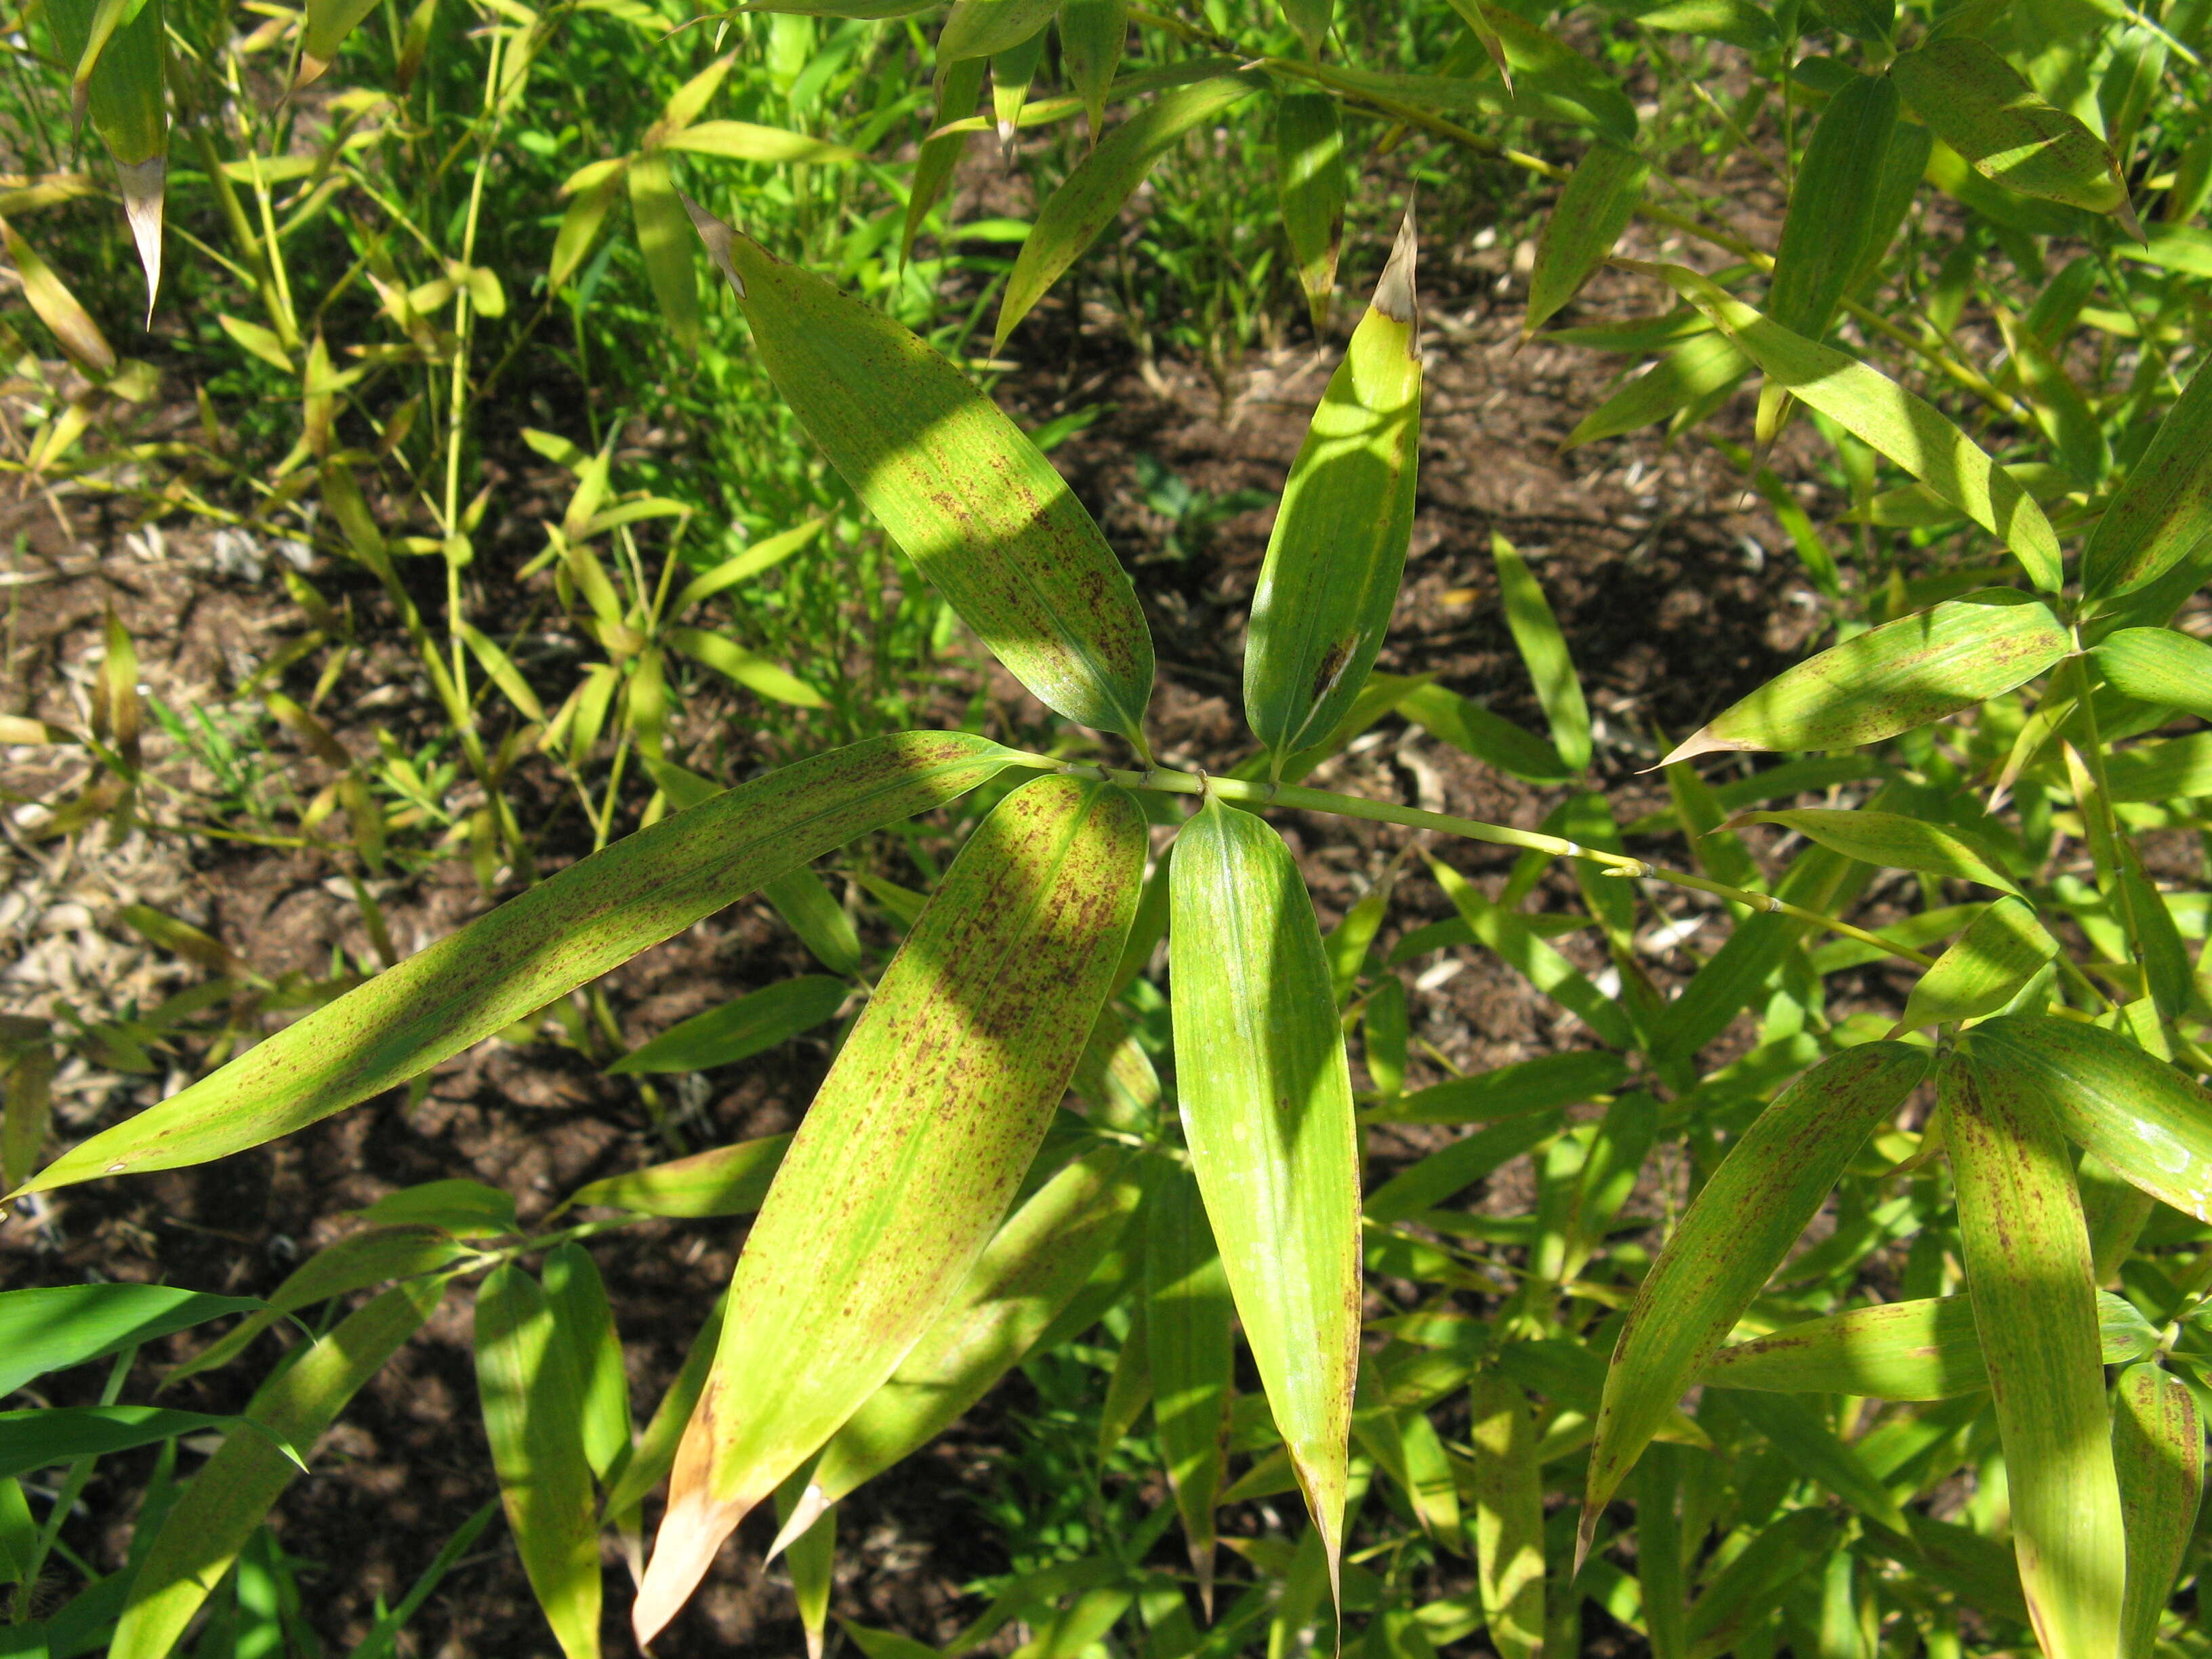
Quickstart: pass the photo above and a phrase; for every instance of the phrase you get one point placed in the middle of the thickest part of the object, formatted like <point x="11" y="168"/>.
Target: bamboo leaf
<point x="2002" y="948"/>
<point x="729" y="1179"/>
<point x="747" y="668"/>
<point x="649" y="1464"/>
<point x="1883" y="414"/>
<point x="2161" y="666"/>
<point x="1267" y="1112"/>
<point x="803" y="900"/>
<point x="564" y="932"/>
<point x="958" y="87"/>
<point x="1473" y="729"/>
<point x="908" y="1155"/>
<point x="2151" y="1125"/>
<point x="2035" y="1309"/>
<point x="1330" y="581"/>
<point x="1093" y="35"/>
<point x="738" y="1031"/>
<point x="657" y="214"/>
<point x="1309" y="181"/>
<point x="1090" y="198"/>
<point x="532" y="1408"/>
<point x="1832" y="202"/>
<point x="2158" y="1455"/>
<point x="117" y="51"/>
<point x="2163" y="510"/>
<point x="744" y="141"/>
<point x="983" y="28"/>
<point x="1797" y="1432"/>
<point x="1444" y="1174"/>
<point x="39" y="1439"/>
<point x="52" y="1327"/>
<point x="1529" y="1085"/>
<point x="1544" y="649"/>
<point x="1696" y="373"/>
<point x="1595" y="206"/>
<point x="1509" y="1514"/>
<point x="1892" y="678"/>
<point x="584" y="1333"/>
<point x="1508" y="934"/>
<point x="1891" y="839"/>
<point x="1189" y="1354"/>
<point x="1732" y="1239"/>
<point x="1983" y="107"/>
<point x="207" y="1527"/>
<point x="1020" y="560"/>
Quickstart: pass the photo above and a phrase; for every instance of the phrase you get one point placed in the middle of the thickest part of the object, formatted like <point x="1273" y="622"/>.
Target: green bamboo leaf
<point x="1529" y="1085"/>
<point x="1902" y="167"/>
<point x="39" y="1439"/>
<point x="805" y="901"/>
<point x="1743" y="1594"/>
<point x="1013" y="69"/>
<point x="204" y="1530"/>
<point x="1473" y="729"/>
<point x="2163" y="510"/>
<point x="2035" y="1308"/>
<point x="1876" y="409"/>
<point x="959" y="88"/>
<point x="1310" y="180"/>
<point x="649" y="1464"/>
<point x="1267" y="1112"/>
<point x="466" y="1209"/>
<point x="983" y="28"/>
<point x="738" y="1031"/>
<point x="1093" y="35"/>
<point x="1732" y="1239"/>
<point x="750" y="669"/>
<point x="1090" y="197"/>
<point x="1891" y="839"/>
<point x="1831" y="219"/>
<point x="1892" y="678"/>
<point x="657" y="212"/>
<point x="2158" y="1454"/>
<point x="2059" y="409"/>
<point x="1509" y="1514"/>
<point x="907" y="1158"/>
<point x="2167" y="971"/>
<point x="2150" y="1124"/>
<point x="2161" y="666"/>
<point x="355" y="1263"/>
<point x="1595" y="206"/>
<point x="584" y="1333"/>
<point x="1330" y="581"/>
<point x="1021" y="562"/>
<point x="1544" y="649"/>
<point x="745" y="141"/>
<point x="564" y="932"/>
<point x="2161" y="771"/>
<point x="1444" y="1174"/>
<point x="532" y="1408"/>
<point x="812" y="1557"/>
<point x="1985" y="109"/>
<point x="1814" y="1450"/>
<point x="1694" y="373"/>
<point x="328" y="22"/>
<point x="1029" y="1273"/>
<point x="1659" y="1565"/>
<point x="1739" y="23"/>
<point x="729" y="1179"/>
<point x="1387" y="1028"/>
<point x="1190" y="1353"/>
<point x="52" y="1327"/>
<point x="119" y="82"/>
<point x="2002" y="948"/>
<point x="1508" y="934"/>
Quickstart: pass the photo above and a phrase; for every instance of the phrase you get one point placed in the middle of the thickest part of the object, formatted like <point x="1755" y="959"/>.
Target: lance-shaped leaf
<point x="1833" y="205"/>
<point x="328" y="23"/>
<point x="983" y="28"/>
<point x="1731" y="1239"/>
<point x="564" y="932"/>
<point x="1452" y="1170"/>
<point x="1984" y="108"/>
<point x="2158" y="1454"/>
<point x="1093" y="35"/>
<point x="1191" y="1353"/>
<point x="657" y="211"/>
<point x="729" y="1179"/>
<point x="1508" y="934"/>
<point x="39" y="1439"/>
<point x="204" y="1530"/>
<point x="738" y="1031"/>
<point x="1814" y="1450"/>
<point x="2035" y="1308"/>
<point x="1509" y="1514"/>
<point x="1090" y="197"/>
<point x="1310" y="180"/>
<point x="2163" y="510"/>
<point x="50" y="1327"/>
<point x="1595" y="206"/>
<point x="532" y="1408"/>
<point x="120" y="84"/>
<point x="584" y="1334"/>
<point x="2161" y="666"/>
<point x="1891" y="839"/>
<point x="958" y="485"/>
<point x="1699" y="374"/>
<point x="1880" y="413"/>
<point x="1330" y="581"/>
<point x="909" y="1154"/>
<point x="1028" y="1272"/>
<point x="2002" y="948"/>
<point x="1892" y="678"/>
<point x="1267" y="1112"/>
<point x="1544" y="649"/>
<point x="958" y="86"/>
<point x="2150" y="1124"/>
<point x="1530" y="1085"/>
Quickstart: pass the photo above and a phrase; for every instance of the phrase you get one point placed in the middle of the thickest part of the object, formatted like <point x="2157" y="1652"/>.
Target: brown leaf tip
<point x="1395" y="294"/>
<point x="717" y="236"/>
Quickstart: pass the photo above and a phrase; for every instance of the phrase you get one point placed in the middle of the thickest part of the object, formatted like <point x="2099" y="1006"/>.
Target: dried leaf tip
<point x="812" y="1503"/>
<point x="1396" y="296"/>
<point x="144" y="183"/>
<point x="1699" y="743"/>
<point x="717" y="236"/>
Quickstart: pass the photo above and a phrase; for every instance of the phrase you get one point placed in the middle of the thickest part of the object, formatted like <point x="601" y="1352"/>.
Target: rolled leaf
<point x="2035" y="1309"/>
<point x="1190" y="1353"/>
<point x="2002" y="948"/>
<point x="119" y="83"/>
<point x="1267" y="1112"/>
<point x="1310" y="180"/>
<point x="1892" y="678"/>
<point x="957" y="483"/>
<point x="1334" y="561"/>
<point x="909" y="1154"/>
<point x="1732" y="1239"/>
<point x="2158" y="1454"/>
<point x="2163" y="510"/>
<point x="565" y="932"/>
<point x="1595" y="206"/>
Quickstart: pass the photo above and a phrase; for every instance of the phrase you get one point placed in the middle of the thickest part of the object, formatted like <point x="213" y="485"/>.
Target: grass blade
<point x="1595" y="206"/>
<point x="1191" y="1354"/>
<point x="2158" y="1454"/>
<point x="1509" y="1514"/>
<point x="1309" y="178"/>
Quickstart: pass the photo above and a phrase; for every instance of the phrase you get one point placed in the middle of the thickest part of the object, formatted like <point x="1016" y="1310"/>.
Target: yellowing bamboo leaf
<point x="1089" y="198"/>
<point x="1267" y="1112"/>
<point x="1879" y="412"/>
<point x="1508" y="934"/>
<point x="909" y="1154"/>
<point x="503" y="673"/>
<point x="564" y="932"/>
<point x="1731" y="1239"/>
<point x="531" y="1411"/>
<point x="1832" y="202"/>
<point x="1595" y="206"/>
<point x="748" y="668"/>
<point x="1190" y="1354"/>
<point x="1509" y="1514"/>
<point x="2035" y="1309"/>
<point x="204" y="1530"/>
<point x="1027" y="1275"/>
<point x="995" y="528"/>
<point x="1894" y="840"/>
<point x="1309" y="181"/>
<point x="2163" y="510"/>
<point x="2002" y="948"/>
<point x="656" y="212"/>
<point x="746" y="141"/>
<point x="72" y="326"/>
<point x="1337" y="550"/>
<point x="2158" y="1455"/>
<point x="2151" y="1125"/>
<point x="1983" y="107"/>
<point x="1892" y="678"/>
